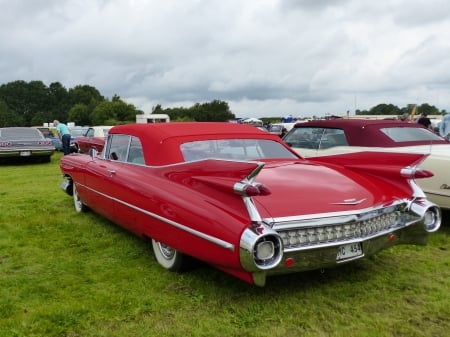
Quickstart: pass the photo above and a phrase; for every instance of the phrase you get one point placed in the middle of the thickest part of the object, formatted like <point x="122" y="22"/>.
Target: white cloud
<point x="264" y="57"/>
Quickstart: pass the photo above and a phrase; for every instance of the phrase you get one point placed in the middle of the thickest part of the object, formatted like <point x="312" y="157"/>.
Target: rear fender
<point x="384" y="164"/>
<point x="399" y="168"/>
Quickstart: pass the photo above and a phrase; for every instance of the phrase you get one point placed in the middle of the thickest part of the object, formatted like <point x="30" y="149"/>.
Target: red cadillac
<point x="241" y="200"/>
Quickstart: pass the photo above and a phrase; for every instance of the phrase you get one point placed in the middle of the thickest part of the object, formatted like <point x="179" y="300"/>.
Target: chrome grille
<point x="298" y="235"/>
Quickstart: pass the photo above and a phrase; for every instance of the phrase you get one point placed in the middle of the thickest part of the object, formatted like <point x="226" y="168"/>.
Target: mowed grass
<point x="69" y="274"/>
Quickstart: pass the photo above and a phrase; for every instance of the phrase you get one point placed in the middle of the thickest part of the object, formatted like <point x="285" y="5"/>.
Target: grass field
<point x="69" y="274"/>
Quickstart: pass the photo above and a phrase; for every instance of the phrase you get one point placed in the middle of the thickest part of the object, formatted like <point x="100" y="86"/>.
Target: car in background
<point x="241" y="200"/>
<point x="277" y="128"/>
<point x="57" y="143"/>
<point x="25" y="143"/>
<point x="336" y="136"/>
<point x="76" y="132"/>
<point x="48" y="133"/>
<point x="92" y="139"/>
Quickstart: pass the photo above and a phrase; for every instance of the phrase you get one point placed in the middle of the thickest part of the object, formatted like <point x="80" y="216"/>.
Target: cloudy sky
<point x="264" y="57"/>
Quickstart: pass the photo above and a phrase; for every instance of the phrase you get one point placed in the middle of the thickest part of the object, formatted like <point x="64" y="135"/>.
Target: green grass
<point x="69" y="274"/>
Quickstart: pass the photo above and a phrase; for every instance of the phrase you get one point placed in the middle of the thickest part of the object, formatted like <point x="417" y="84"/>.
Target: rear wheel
<point x="171" y="259"/>
<point x="79" y="206"/>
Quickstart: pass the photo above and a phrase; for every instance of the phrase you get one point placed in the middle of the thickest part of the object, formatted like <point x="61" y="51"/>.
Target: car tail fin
<point x="386" y="164"/>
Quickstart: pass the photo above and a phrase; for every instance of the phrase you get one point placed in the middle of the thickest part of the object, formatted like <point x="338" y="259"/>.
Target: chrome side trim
<point x="437" y="194"/>
<point x="349" y="202"/>
<point x="199" y="234"/>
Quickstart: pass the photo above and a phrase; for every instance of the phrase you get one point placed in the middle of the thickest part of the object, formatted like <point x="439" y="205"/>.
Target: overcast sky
<point x="264" y="57"/>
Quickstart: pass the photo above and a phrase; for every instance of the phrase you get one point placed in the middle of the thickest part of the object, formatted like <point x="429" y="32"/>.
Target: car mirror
<point x="93" y="153"/>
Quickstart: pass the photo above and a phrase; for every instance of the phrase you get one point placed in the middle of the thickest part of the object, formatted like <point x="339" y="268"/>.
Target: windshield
<point x="77" y="132"/>
<point x="235" y="149"/>
<point x="315" y="138"/>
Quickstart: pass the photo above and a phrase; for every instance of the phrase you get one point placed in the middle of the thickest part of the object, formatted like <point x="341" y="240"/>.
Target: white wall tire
<point x="168" y="258"/>
<point x="79" y="206"/>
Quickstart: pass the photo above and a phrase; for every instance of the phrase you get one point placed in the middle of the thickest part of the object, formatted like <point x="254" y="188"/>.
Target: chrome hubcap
<point x="166" y="251"/>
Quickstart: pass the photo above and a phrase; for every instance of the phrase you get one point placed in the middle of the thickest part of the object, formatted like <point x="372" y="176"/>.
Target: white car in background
<point x="337" y="136"/>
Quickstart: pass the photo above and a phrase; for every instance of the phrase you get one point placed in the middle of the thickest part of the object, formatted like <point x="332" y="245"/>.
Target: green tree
<point x="25" y="99"/>
<point x="39" y="118"/>
<point x="125" y="112"/>
<point x="428" y="109"/>
<point x="79" y="114"/>
<point x="112" y="113"/>
<point x="86" y="95"/>
<point x="7" y="117"/>
<point x="59" y="102"/>
<point x="215" y="111"/>
<point x="384" y="109"/>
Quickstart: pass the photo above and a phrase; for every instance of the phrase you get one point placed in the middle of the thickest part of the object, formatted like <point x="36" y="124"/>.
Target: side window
<point x="304" y="138"/>
<point x="118" y="147"/>
<point x="332" y="138"/>
<point x="90" y="132"/>
<point x="136" y="154"/>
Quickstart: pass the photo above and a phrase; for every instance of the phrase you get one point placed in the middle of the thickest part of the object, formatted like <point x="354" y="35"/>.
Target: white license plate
<point x="25" y="153"/>
<point x="64" y="185"/>
<point x="348" y="251"/>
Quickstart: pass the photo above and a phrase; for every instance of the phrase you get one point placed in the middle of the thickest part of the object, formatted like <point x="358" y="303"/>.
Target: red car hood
<point x="301" y="188"/>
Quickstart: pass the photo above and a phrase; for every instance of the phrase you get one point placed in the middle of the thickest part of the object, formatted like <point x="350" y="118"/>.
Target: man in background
<point x="425" y="121"/>
<point x="444" y="126"/>
<point x="64" y="135"/>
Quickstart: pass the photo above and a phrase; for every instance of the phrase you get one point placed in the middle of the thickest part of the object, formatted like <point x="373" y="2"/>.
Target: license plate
<point x="348" y="251"/>
<point x="25" y="153"/>
<point x="64" y="185"/>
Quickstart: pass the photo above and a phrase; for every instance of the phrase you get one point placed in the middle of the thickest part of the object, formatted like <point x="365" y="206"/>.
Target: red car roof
<point x="162" y="131"/>
<point x="367" y="132"/>
<point x="166" y="137"/>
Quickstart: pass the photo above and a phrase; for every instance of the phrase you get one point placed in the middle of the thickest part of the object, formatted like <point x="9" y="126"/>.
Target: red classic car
<point x="241" y="200"/>
<point x="93" y="139"/>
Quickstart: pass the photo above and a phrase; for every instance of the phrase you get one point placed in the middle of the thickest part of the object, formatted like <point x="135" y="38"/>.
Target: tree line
<point x="34" y="103"/>
<point x="390" y="109"/>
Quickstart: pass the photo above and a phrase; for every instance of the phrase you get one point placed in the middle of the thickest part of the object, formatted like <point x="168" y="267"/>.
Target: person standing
<point x="283" y="132"/>
<point x="444" y="126"/>
<point x="405" y="117"/>
<point x="425" y="121"/>
<point x="64" y="135"/>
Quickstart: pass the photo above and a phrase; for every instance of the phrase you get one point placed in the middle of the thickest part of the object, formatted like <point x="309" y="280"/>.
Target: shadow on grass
<point x="203" y="276"/>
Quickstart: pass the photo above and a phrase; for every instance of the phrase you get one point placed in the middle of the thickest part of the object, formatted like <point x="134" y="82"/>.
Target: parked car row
<point x="326" y="138"/>
<point x="243" y="201"/>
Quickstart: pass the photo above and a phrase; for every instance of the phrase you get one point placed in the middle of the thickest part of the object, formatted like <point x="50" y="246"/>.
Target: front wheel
<point x="79" y="206"/>
<point x="171" y="259"/>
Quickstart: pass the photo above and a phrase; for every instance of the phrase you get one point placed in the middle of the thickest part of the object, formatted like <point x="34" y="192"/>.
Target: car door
<point x="99" y="174"/>
<point x="123" y="180"/>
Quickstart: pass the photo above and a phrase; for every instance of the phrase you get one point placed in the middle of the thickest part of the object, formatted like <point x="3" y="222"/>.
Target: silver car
<point x="25" y="142"/>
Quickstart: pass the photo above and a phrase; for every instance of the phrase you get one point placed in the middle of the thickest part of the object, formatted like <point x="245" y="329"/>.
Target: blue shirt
<point x="62" y="129"/>
<point x="444" y="127"/>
